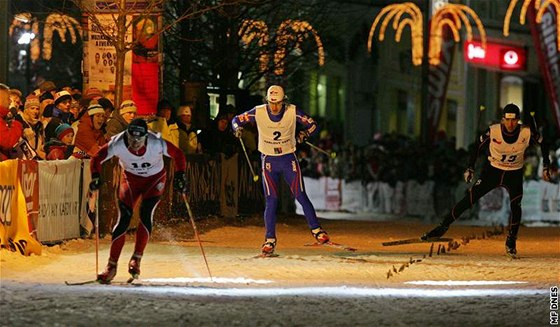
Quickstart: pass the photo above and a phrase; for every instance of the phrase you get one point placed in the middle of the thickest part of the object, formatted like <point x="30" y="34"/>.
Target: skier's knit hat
<point x="511" y="111"/>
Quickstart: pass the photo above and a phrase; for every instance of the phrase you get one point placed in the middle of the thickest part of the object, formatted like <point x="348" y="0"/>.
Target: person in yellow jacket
<point x="164" y="123"/>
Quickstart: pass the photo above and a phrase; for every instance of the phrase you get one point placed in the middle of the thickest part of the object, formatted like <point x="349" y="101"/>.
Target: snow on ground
<point x="469" y="284"/>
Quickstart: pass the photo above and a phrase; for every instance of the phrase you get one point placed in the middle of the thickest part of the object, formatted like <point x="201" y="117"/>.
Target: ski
<point x="417" y="240"/>
<point x="333" y="245"/>
<point x="262" y="255"/>
<point x="80" y="283"/>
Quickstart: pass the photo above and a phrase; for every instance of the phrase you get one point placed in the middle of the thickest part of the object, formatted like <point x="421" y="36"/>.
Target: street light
<point x="25" y="39"/>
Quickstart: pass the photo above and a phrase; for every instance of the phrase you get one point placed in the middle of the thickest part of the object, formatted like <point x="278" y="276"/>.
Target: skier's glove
<point x="546" y="174"/>
<point x="95" y="182"/>
<point x="238" y="132"/>
<point x="468" y="175"/>
<point x="180" y="182"/>
<point x="302" y="137"/>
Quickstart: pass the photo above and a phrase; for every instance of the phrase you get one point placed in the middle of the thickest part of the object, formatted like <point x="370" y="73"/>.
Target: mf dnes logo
<point x="6" y="194"/>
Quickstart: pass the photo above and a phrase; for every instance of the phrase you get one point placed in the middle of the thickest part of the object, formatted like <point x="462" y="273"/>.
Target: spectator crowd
<point x="55" y="123"/>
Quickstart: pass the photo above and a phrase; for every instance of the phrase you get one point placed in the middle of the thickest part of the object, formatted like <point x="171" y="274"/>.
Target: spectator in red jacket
<point x="61" y="148"/>
<point x="91" y="130"/>
<point x="11" y="130"/>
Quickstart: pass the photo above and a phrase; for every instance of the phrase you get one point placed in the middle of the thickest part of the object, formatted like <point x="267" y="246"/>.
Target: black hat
<point x="138" y="127"/>
<point x="511" y="111"/>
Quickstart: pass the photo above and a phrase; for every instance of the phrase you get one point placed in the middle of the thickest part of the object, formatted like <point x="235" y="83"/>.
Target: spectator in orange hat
<point x="93" y="93"/>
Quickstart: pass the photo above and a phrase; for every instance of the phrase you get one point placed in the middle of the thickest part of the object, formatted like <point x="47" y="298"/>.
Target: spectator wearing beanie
<point x="61" y="147"/>
<point x="90" y="135"/>
<point x="60" y="114"/>
<point x="121" y="118"/>
<point x="32" y="126"/>
<point x="188" y="138"/>
<point x="107" y="106"/>
<point x="93" y="93"/>
<point x="164" y="123"/>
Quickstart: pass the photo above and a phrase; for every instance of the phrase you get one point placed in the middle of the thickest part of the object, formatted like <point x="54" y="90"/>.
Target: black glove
<point x="180" y="182"/>
<point x="95" y="182"/>
<point x="302" y="137"/>
<point x="238" y="132"/>
<point x="546" y="174"/>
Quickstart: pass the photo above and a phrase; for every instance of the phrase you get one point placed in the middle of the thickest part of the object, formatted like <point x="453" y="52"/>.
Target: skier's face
<point x="135" y="143"/>
<point x="510" y="123"/>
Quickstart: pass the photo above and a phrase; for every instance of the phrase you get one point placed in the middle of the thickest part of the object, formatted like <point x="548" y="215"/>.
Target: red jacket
<point x="10" y="133"/>
<point x="89" y="139"/>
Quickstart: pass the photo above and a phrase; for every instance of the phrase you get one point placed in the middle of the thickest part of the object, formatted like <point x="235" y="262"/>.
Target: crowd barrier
<point x="541" y="200"/>
<point x="47" y="201"/>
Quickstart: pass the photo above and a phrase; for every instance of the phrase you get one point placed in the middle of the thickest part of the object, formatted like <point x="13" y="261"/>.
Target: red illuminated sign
<point x="497" y="56"/>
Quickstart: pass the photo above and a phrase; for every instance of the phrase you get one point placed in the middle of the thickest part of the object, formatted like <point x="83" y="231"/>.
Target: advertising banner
<point x="29" y="181"/>
<point x="438" y="80"/>
<point x="14" y="229"/>
<point x="545" y="37"/>
<point x="59" y="200"/>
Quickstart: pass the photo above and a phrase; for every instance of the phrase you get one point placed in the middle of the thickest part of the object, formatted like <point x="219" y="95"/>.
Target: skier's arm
<point x="242" y="119"/>
<point x="177" y="155"/>
<point x="98" y="159"/>
<point x="309" y="125"/>
<point x="481" y="143"/>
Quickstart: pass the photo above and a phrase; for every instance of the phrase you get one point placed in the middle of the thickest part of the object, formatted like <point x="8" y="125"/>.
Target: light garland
<point x="297" y="31"/>
<point x="540" y="7"/>
<point x="256" y="30"/>
<point x="60" y="24"/>
<point x="27" y="22"/>
<point x="289" y="30"/>
<point x="452" y="16"/>
<point x="414" y="21"/>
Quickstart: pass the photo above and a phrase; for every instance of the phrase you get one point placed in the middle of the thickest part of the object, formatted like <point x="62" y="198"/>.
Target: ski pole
<point x="255" y="176"/>
<point x="534" y="122"/>
<point x="191" y="218"/>
<point x="96" y="233"/>
<point x="330" y="154"/>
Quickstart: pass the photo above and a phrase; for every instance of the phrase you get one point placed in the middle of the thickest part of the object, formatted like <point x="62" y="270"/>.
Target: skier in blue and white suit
<point x="276" y="124"/>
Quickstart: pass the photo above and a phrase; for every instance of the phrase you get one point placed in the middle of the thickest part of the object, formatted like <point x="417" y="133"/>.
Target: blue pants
<point x="288" y="166"/>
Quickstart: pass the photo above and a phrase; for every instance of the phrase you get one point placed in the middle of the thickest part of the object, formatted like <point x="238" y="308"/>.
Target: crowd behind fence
<point x="393" y="175"/>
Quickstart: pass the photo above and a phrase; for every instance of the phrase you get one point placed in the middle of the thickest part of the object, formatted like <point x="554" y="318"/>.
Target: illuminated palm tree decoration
<point x="60" y="24"/>
<point x="55" y="23"/>
<point x="452" y="16"/>
<point x="413" y="19"/>
<point x="540" y="6"/>
<point x="290" y="32"/>
<point x="294" y="31"/>
<point x="256" y="30"/>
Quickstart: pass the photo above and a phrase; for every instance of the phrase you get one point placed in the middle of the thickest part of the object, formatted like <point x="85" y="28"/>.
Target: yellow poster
<point x="14" y="229"/>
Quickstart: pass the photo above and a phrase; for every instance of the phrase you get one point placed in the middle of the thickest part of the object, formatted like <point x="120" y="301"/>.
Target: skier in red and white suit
<point x="140" y="154"/>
